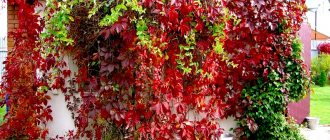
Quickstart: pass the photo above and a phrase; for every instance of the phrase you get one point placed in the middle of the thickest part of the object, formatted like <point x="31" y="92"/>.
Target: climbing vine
<point x="151" y="69"/>
<point x="268" y="55"/>
<point x="21" y="87"/>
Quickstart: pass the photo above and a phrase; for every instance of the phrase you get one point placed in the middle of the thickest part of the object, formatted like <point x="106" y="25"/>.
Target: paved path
<point x="321" y="133"/>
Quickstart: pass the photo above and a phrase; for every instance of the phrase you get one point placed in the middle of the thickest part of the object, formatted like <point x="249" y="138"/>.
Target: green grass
<point x="2" y="113"/>
<point x="320" y="104"/>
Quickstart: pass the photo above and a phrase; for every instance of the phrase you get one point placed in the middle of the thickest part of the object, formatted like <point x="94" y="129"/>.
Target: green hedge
<point x="320" y="69"/>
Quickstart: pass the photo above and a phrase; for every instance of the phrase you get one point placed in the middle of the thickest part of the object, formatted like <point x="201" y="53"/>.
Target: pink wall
<point x="305" y="35"/>
<point x="301" y="109"/>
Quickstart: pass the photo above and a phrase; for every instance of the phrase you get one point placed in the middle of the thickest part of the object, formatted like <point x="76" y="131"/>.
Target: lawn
<point x="2" y="112"/>
<point x="320" y="104"/>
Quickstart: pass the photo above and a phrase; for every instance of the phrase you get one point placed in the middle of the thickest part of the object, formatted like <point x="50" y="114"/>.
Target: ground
<point x="320" y="107"/>
<point x="320" y="104"/>
<point x="321" y="133"/>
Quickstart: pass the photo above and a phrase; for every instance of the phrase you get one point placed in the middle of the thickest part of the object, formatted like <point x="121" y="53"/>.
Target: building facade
<point x="62" y="117"/>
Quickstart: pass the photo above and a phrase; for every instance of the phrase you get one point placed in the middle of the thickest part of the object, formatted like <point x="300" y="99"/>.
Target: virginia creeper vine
<point x="159" y="69"/>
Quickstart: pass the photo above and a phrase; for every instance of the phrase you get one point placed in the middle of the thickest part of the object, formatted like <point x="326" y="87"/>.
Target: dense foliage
<point x="321" y="65"/>
<point x="324" y="48"/>
<point x="322" y="79"/>
<point x="28" y="102"/>
<point x="154" y="69"/>
<point x="320" y="69"/>
<point x="269" y="62"/>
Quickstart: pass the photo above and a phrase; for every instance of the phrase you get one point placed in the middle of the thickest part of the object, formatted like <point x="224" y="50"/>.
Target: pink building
<point x="301" y="110"/>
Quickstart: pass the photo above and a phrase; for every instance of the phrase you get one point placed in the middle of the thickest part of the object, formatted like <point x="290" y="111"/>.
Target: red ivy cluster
<point x="28" y="109"/>
<point x="261" y="43"/>
<point x="324" y="48"/>
<point x="143" y="93"/>
<point x="169" y="72"/>
<point x="149" y="95"/>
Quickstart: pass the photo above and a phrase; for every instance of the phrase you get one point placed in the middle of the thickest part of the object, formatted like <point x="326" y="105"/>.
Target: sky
<point x="323" y="15"/>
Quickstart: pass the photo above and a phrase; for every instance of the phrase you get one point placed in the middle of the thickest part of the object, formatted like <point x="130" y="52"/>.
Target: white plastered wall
<point x="62" y="117"/>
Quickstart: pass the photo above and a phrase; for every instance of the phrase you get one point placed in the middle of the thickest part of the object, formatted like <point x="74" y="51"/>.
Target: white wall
<point x="62" y="117"/>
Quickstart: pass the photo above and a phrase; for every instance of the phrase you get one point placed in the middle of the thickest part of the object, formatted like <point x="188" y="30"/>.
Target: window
<point x="3" y="35"/>
<point x="3" y="53"/>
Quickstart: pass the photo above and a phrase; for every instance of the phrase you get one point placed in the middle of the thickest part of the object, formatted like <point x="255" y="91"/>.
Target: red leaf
<point x="185" y="9"/>
<point x="173" y="15"/>
<point x="66" y="73"/>
<point x="199" y="25"/>
<point x="203" y="44"/>
<point x="184" y="25"/>
<point x="252" y="125"/>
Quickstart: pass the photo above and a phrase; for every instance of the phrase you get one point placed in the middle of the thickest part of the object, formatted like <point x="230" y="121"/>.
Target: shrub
<point x="324" y="48"/>
<point x="322" y="79"/>
<point x="320" y="64"/>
